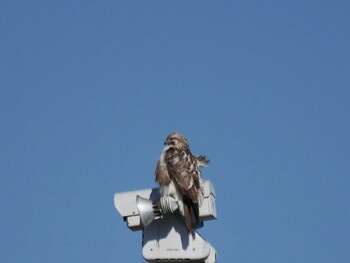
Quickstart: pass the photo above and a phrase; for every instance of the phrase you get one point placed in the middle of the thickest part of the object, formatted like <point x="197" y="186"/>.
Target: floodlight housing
<point x="165" y="237"/>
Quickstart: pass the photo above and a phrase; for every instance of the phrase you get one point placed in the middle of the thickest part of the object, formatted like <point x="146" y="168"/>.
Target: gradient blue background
<point x="90" y="90"/>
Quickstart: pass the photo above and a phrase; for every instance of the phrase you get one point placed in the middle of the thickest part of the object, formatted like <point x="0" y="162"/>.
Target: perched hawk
<point x="179" y="176"/>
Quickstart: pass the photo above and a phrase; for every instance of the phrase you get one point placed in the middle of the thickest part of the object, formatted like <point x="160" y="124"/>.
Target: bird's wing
<point x="182" y="168"/>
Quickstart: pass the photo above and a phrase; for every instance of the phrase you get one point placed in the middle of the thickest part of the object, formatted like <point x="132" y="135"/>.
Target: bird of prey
<point x="179" y="176"/>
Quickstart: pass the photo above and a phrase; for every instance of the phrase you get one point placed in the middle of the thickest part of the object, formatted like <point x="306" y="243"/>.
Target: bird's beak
<point x="167" y="141"/>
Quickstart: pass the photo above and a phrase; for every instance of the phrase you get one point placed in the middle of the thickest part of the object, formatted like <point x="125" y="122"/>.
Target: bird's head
<point x="176" y="140"/>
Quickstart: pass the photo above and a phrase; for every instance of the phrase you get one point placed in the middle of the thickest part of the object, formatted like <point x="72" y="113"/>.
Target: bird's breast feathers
<point x="162" y="175"/>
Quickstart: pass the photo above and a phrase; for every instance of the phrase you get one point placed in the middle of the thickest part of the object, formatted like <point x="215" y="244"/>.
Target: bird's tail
<point x="188" y="218"/>
<point x="188" y="206"/>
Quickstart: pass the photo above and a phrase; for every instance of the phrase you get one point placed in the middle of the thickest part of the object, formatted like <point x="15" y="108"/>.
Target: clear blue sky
<point x="90" y="90"/>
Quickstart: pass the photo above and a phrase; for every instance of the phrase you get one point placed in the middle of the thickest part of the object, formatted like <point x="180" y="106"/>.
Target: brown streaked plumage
<point x="179" y="176"/>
